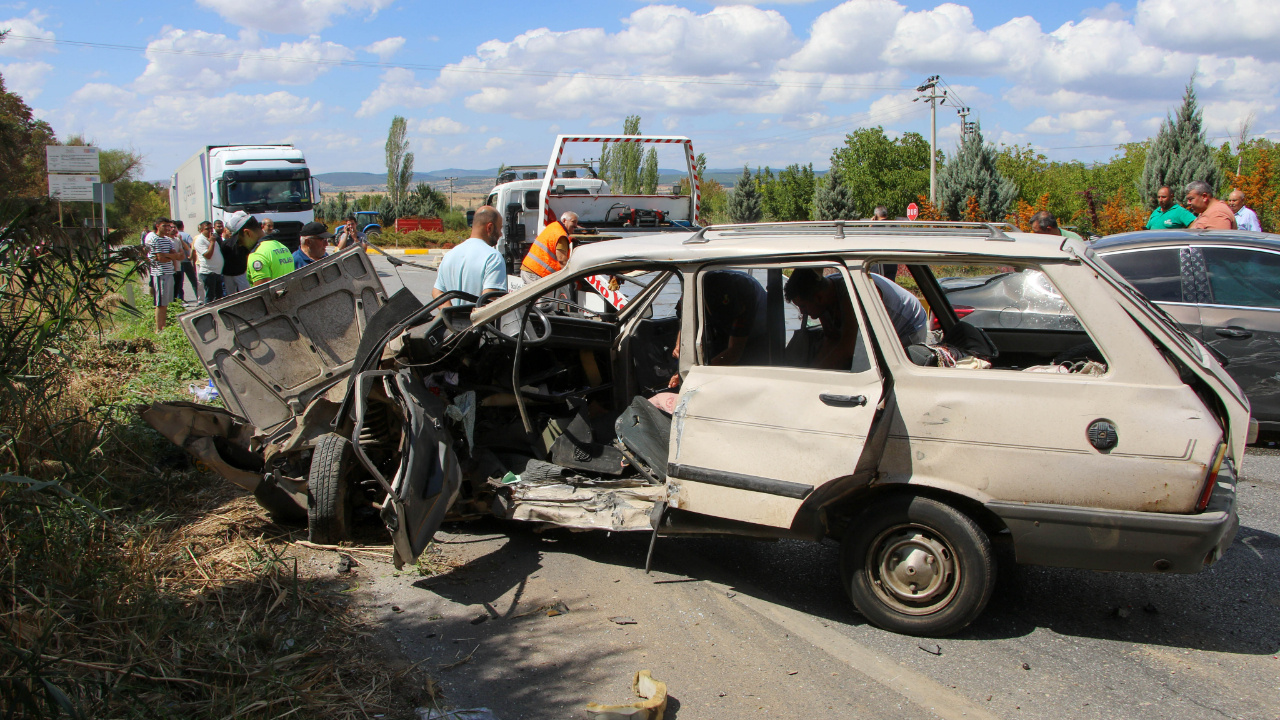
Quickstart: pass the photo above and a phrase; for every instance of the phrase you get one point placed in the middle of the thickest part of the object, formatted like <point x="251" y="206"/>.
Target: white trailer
<point x="268" y="181"/>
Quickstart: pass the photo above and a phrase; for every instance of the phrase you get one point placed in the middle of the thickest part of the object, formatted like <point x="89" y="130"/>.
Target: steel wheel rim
<point x="913" y="569"/>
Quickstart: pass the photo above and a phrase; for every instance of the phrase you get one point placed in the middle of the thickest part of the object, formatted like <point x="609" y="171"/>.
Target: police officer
<point x="268" y="259"/>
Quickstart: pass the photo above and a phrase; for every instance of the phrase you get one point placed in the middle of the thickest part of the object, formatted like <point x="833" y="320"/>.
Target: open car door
<point x="274" y="348"/>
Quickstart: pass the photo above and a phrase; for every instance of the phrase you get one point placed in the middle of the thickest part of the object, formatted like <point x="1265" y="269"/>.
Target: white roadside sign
<point x="71" y="159"/>
<point x="72" y="187"/>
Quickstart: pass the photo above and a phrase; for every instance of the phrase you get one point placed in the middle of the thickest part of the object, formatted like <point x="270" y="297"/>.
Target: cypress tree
<point x="1180" y="153"/>
<point x="973" y="173"/>
<point x="832" y="199"/>
<point x="744" y="204"/>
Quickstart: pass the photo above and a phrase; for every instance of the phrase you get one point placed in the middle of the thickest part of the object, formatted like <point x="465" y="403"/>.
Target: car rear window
<point x="1155" y="273"/>
<point x="1241" y="277"/>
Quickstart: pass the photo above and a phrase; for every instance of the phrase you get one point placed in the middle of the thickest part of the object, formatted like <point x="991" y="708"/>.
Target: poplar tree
<point x="744" y="200"/>
<point x="399" y="161"/>
<point x="649" y="173"/>
<point x="1180" y="153"/>
<point x="972" y="173"/>
<point x="832" y="199"/>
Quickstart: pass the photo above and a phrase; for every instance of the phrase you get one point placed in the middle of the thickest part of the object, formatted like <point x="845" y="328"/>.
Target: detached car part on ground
<point x="342" y="400"/>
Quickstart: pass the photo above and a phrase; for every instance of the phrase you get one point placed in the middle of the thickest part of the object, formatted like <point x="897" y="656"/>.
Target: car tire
<point x="329" y="510"/>
<point x="901" y="541"/>
<point x="373" y="231"/>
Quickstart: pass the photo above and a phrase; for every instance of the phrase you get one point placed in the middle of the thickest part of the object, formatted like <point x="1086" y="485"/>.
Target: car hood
<point x="275" y="348"/>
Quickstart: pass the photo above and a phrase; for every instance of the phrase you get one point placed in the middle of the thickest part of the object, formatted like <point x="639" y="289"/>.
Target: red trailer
<point x="417" y="223"/>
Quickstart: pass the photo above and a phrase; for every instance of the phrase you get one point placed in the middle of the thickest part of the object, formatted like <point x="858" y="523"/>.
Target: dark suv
<point x="1223" y="286"/>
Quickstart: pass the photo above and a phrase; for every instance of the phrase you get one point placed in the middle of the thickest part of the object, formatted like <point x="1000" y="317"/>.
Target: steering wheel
<point x="530" y="338"/>
<point x="489" y="296"/>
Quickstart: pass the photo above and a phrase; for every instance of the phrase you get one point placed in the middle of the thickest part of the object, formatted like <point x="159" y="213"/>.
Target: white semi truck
<point x="268" y="181"/>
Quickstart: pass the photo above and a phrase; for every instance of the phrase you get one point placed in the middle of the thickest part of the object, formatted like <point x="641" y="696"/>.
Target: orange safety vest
<point x="541" y="259"/>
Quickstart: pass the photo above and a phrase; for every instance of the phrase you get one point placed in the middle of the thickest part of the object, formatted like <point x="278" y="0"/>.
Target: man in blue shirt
<point x="313" y="240"/>
<point x="475" y="266"/>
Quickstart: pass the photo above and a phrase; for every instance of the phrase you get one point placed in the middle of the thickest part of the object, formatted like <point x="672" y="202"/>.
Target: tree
<point x="711" y="208"/>
<point x="425" y="201"/>
<point x="832" y="199"/>
<point x="972" y="173"/>
<point x="880" y="171"/>
<point x="620" y="162"/>
<point x="790" y="195"/>
<point x="399" y="161"/>
<point x="1180" y="153"/>
<point x="744" y="200"/>
<point x="22" y="141"/>
<point x="649" y="173"/>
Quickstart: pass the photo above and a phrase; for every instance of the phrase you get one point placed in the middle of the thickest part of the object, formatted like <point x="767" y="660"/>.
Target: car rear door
<point x="1241" y="318"/>
<point x="1166" y="276"/>
<point x="751" y="443"/>
<point x="274" y="348"/>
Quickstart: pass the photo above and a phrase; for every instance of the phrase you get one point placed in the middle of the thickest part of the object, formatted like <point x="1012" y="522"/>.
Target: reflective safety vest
<point x="541" y="259"/>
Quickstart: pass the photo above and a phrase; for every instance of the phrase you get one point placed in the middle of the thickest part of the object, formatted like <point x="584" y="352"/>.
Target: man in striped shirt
<point x="162" y="253"/>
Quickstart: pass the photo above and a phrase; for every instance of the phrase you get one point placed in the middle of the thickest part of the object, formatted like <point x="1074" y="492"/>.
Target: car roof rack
<point x="844" y="228"/>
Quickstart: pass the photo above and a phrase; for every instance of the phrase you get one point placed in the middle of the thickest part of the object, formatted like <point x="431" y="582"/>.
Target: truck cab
<point x="270" y="182"/>
<point x="516" y="194"/>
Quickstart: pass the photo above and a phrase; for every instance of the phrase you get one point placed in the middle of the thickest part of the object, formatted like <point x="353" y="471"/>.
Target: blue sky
<point x="484" y="83"/>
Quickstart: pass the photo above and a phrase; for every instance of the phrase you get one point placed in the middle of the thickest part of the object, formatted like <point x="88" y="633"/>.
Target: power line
<point x="677" y="79"/>
<point x="805" y="133"/>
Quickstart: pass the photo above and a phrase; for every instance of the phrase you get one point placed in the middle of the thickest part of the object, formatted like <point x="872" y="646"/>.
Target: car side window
<point x="1242" y="277"/>
<point x="1156" y="273"/>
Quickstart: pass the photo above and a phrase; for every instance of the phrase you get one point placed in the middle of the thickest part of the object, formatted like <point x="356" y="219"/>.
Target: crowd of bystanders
<point x="222" y="259"/>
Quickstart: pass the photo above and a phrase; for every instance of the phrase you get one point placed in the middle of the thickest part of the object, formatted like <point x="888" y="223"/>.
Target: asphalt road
<point x="741" y="628"/>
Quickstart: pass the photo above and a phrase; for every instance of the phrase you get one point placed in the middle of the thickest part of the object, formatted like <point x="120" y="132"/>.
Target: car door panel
<point x="751" y="443"/>
<point x="1242" y="320"/>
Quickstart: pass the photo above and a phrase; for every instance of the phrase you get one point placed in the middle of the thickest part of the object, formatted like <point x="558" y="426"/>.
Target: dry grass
<point x="133" y="585"/>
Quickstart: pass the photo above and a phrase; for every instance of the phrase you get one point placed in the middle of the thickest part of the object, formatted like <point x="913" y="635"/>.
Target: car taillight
<point x="962" y="311"/>
<point x="1212" y="481"/>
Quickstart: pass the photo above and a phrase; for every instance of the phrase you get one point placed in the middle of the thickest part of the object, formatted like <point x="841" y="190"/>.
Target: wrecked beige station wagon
<point x="1107" y="443"/>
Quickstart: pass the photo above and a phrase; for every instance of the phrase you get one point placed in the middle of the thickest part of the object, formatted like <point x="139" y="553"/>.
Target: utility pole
<point x="451" y="192"/>
<point x="966" y="127"/>
<point x="933" y="97"/>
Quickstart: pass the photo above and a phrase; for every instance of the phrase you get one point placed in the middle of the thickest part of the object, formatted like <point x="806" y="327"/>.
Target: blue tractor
<point x="369" y="222"/>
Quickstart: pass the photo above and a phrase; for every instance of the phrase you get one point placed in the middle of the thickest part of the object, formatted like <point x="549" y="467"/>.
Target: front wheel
<point x="917" y="566"/>
<point x="329" y="510"/>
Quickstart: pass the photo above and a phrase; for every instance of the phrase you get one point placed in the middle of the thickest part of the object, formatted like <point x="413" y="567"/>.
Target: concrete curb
<point x="408" y="251"/>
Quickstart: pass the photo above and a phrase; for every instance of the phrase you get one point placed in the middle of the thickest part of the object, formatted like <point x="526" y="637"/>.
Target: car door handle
<point x="843" y="400"/>
<point x="1234" y="332"/>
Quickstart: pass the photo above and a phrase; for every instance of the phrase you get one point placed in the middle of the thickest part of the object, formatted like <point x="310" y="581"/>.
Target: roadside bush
<point x="420" y="238"/>
<point x="132" y="584"/>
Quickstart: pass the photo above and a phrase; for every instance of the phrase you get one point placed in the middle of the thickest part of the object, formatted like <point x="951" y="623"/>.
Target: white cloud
<point x="290" y="16"/>
<point x="399" y="88"/>
<point x="494" y="143"/>
<point x="172" y="67"/>
<point x="27" y="27"/>
<point x="102" y="94"/>
<point x="25" y="78"/>
<point x="1234" y="28"/>
<point x="442" y="126"/>
<point x="1081" y="120"/>
<point x="385" y="48"/>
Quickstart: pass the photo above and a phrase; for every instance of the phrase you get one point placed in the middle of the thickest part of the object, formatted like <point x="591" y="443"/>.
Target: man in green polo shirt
<point x="1168" y="214"/>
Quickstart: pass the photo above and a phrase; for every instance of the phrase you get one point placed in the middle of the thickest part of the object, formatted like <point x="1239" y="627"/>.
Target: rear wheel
<point x="917" y="566"/>
<point x="329" y="510"/>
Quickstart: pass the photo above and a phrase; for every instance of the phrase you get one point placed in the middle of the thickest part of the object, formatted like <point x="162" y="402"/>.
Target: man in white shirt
<point x="208" y="263"/>
<point x="1246" y="219"/>
<point x="163" y="252"/>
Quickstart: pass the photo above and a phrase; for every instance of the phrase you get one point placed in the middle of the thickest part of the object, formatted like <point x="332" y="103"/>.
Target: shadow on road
<point x="1230" y="607"/>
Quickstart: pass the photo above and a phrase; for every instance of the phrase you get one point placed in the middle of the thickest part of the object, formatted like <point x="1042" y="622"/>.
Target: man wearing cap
<point x="235" y="257"/>
<point x="312" y="242"/>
